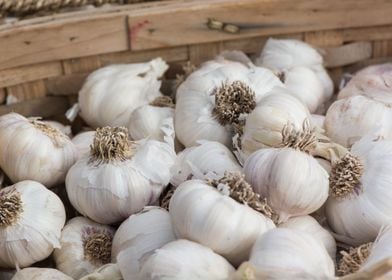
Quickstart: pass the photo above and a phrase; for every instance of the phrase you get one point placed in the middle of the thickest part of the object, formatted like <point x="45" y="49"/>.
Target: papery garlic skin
<point x="108" y="192"/>
<point x="66" y="129"/>
<point x="292" y="181"/>
<point x="82" y="142"/>
<point x="34" y="231"/>
<point x="148" y="122"/>
<point x="358" y="217"/>
<point x="207" y="160"/>
<point x="38" y="273"/>
<point x="139" y="236"/>
<point x="72" y="258"/>
<point x="309" y="225"/>
<point x="183" y="259"/>
<point x="194" y="117"/>
<point x="31" y="150"/>
<point x="264" y="125"/>
<point x="203" y="214"/>
<point x="109" y="271"/>
<point x="318" y="120"/>
<point x="293" y="254"/>
<point x="110" y="94"/>
<point x="349" y="119"/>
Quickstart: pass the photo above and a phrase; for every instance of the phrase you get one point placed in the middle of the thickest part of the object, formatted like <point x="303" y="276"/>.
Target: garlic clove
<point x="183" y="259"/>
<point x="66" y="129"/>
<point x="35" y="273"/>
<point x="318" y="120"/>
<point x="107" y="272"/>
<point x="30" y="224"/>
<point x="82" y="142"/>
<point x="85" y="246"/>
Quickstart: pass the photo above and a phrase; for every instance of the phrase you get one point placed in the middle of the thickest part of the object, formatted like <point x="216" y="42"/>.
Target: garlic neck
<point x="345" y="177"/>
<point x="111" y="144"/>
<point x="53" y="133"/>
<point x="97" y="246"/>
<point x="304" y="139"/>
<point x="232" y="100"/>
<point x="352" y="260"/>
<point x="10" y="208"/>
<point x="162" y="101"/>
<point x="235" y="186"/>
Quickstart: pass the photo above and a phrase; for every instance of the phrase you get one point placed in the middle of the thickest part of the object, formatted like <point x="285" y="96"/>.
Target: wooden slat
<point x="347" y="54"/>
<point x="81" y="65"/>
<point x="3" y="95"/>
<point x="66" y="85"/>
<point x="27" y="91"/>
<point x="41" y="107"/>
<point x="184" y="22"/>
<point x="382" y="48"/>
<point x="62" y="40"/>
<point x="203" y="52"/>
<point x="19" y="75"/>
<point x="367" y="33"/>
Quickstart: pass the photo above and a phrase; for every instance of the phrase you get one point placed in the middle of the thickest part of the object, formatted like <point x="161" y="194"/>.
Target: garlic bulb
<point x="110" y="94"/>
<point x="119" y="177"/>
<point x="109" y="271"/>
<point x="66" y="129"/>
<point x="349" y="119"/>
<point x="150" y="121"/>
<point x="32" y="150"/>
<point x="36" y="273"/>
<point x="264" y="125"/>
<point x="318" y="120"/>
<point x="309" y="225"/>
<point x="304" y="84"/>
<point x="31" y="219"/>
<point x="292" y="181"/>
<point x="209" y="160"/>
<point x="291" y="254"/>
<point x="82" y="142"/>
<point x="85" y="246"/>
<point x="360" y="184"/>
<point x="139" y="236"/>
<point x="215" y="215"/>
<point x="183" y="259"/>
<point x="216" y="96"/>
<point x="281" y="55"/>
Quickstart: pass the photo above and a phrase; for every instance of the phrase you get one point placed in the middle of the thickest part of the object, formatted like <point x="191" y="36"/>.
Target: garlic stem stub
<point x="184" y="259"/>
<point x="359" y="202"/>
<point x="139" y="236"/>
<point x="85" y="246"/>
<point x="224" y="215"/>
<point x="37" y="273"/>
<point x="353" y="259"/>
<point x="119" y="177"/>
<point x="31" y="219"/>
<point x="110" y="94"/>
<point x="33" y="150"/>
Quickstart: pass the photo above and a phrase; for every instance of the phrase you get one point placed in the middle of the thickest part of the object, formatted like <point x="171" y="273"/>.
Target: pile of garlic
<point x="240" y="176"/>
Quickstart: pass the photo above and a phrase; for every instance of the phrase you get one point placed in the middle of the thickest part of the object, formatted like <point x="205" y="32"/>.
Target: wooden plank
<point x="367" y="33"/>
<point x="347" y="54"/>
<point x="62" y="40"/>
<point x="382" y="48"/>
<point x="41" y="107"/>
<point x="19" y="75"/>
<point x="203" y="52"/>
<point x="27" y="91"/>
<point x="81" y="65"/>
<point x="66" y="85"/>
<point x="3" y="95"/>
<point x="168" y="54"/>
<point x="330" y="38"/>
<point x="184" y="22"/>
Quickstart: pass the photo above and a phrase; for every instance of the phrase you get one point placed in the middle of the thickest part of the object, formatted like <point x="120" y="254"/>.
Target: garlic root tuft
<point x="232" y="100"/>
<point x="52" y="132"/>
<point x="238" y="189"/>
<point x="98" y="247"/>
<point x="10" y="208"/>
<point x="304" y="139"/>
<point x="163" y="101"/>
<point x="345" y="176"/>
<point x="353" y="259"/>
<point x="111" y="143"/>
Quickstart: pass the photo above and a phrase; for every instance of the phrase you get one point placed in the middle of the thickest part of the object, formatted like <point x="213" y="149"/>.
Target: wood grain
<point x="367" y="33"/>
<point x="382" y="48"/>
<point x="66" y="85"/>
<point x="27" y="91"/>
<point x="347" y="54"/>
<point x="3" y="95"/>
<point x="81" y="65"/>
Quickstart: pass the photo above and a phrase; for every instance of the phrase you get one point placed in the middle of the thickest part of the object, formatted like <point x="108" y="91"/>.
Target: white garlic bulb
<point x="309" y="225"/>
<point x="183" y="259"/>
<point x="85" y="246"/>
<point x="31" y="219"/>
<point x="66" y="129"/>
<point x="217" y="95"/>
<point x="119" y="177"/>
<point x="360" y="186"/>
<point x="37" y="273"/>
<point x="264" y="125"/>
<point x="109" y="271"/>
<point x="349" y="119"/>
<point x="150" y="121"/>
<point x="32" y="150"/>
<point x="281" y="55"/>
<point x="318" y="120"/>
<point x="291" y="254"/>
<point x="82" y="142"/>
<point x="292" y="181"/>
<point x="211" y="216"/>
<point x="139" y="236"/>
<point x="110" y="94"/>
<point x="209" y="160"/>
